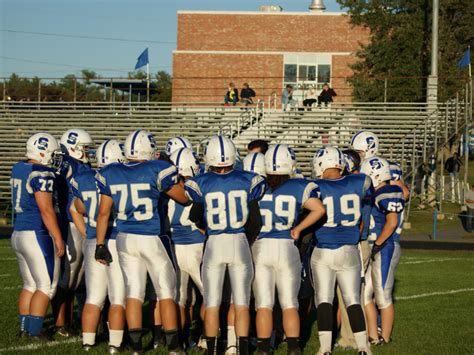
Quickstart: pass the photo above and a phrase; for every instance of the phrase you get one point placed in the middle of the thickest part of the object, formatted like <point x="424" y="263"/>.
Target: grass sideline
<point x="426" y="323"/>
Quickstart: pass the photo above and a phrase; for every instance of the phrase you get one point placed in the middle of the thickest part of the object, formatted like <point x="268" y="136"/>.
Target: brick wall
<point x="269" y="32"/>
<point x="203" y="77"/>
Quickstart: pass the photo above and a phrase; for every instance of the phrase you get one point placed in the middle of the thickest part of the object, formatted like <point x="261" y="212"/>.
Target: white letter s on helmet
<point x="75" y="143"/>
<point x="366" y="143"/>
<point x="378" y="169"/>
<point x="42" y="147"/>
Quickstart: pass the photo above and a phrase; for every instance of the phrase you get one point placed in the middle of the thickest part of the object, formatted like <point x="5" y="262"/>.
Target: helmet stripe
<point x="275" y="157"/>
<point x="252" y="164"/>
<point x="221" y="142"/>
<point x="132" y="148"/>
<point x="179" y="156"/>
<point x="103" y="151"/>
<point x="182" y="141"/>
<point x="355" y="136"/>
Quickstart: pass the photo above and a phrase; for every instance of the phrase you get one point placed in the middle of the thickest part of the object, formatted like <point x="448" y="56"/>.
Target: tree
<point x="164" y="84"/>
<point x="400" y="47"/>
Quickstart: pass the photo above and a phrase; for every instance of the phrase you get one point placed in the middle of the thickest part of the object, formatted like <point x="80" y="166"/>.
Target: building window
<point x="290" y="73"/>
<point x="324" y="73"/>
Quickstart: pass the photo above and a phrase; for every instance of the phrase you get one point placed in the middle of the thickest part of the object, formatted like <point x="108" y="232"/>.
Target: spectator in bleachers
<point x="453" y="165"/>
<point x="326" y="95"/>
<point x="311" y="98"/>
<point x="257" y="146"/>
<point x="287" y="97"/>
<point x="247" y="94"/>
<point x="232" y="95"/>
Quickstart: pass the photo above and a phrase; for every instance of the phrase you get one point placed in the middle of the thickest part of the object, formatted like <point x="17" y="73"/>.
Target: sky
<point x="143" y="23"/>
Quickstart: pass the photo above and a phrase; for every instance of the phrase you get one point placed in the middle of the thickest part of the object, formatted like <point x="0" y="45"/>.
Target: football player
<point x="76" y="147"/>
<point x="255" y="163"/>
<point x="133" y="189"/>
<point x="336" y="256"/>
<point x="187" y="239"/>
<point x="101" y="280"/>
<point x="226" y="205"/>
<point x="176" y="143"/>
<point x="36" y="237"/>
<point x="275" y="255"/>
<point x="384" y="234"/>
<point x="257" y="146"/>
<point x="367" y="145"/>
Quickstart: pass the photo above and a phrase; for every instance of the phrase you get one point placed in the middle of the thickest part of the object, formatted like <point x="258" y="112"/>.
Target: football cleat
<point x="87" y="347"/>
<point x="231" y="350"/>
<point x="113" y="349"/>
<point x="22" y="334"/>
<point x="202" y="344"/>
<point x="65" y="332"/>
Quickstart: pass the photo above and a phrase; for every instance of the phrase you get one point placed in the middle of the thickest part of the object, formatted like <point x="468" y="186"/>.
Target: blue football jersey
<point x="388" y="198"/>
<point x="395" y="171"/>
<point x="344" y="200"/>
<point x="280" y="208"/>
<point x="136" y="189"/>
<point x="183" y="231"/>
<point x="26" y="179"/>
<point x="69" y="167"/>
<point x="84" y="187"/>
<point x="225" y="198"/>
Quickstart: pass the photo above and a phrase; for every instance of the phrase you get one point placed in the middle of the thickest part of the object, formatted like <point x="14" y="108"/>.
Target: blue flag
<point x="142" y="59"/>
<point x="466" y="59"/>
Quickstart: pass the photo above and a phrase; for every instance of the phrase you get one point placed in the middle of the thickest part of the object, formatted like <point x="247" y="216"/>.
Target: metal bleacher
<point x="407" y="132"/>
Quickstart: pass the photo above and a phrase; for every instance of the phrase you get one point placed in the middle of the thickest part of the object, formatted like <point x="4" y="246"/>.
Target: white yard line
<point x="7" y="259"/>
<point x="36" y="346"/>
<point x="4" y="275"/>
<point x="12" y="287"/>
<point x="431" y="260"/>
<point x="421" y="295"/>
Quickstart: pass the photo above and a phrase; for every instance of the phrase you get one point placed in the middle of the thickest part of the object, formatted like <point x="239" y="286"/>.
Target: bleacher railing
<point x="400" y="126"/>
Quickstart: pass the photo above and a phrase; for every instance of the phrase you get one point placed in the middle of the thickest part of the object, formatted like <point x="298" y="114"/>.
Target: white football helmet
<point x="42" y="147"/>
<point x="378" y="169"/>
<point x="327" y="158"/>
<point x="366" y="143"/>
<point x="176" y="143"/>
<point x="76" y="143"/>
<point x="220" y="152"/>
<point x="140" y="145"/>
<point x="255" y="162"/>
<point x="280" y="159"/>
<point x="110" y="151"/>
<point x="186" y="161"/>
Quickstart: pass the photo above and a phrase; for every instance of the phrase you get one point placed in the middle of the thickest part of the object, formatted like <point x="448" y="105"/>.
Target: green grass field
<point x="434" y="308"/>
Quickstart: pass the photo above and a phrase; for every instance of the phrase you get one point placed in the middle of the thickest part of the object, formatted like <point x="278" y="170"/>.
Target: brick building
<point x="266" y="49"/>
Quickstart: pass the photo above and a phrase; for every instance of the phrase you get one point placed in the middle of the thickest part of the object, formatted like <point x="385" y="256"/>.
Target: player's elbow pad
<point x="254" y="222"/>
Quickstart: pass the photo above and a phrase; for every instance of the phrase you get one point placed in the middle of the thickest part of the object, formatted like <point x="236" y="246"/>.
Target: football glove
<point x="102" y="253"/>
<point x="375" y="250"/>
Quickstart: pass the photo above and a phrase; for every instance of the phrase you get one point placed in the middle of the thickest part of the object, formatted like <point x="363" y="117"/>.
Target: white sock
<point x="325" y="339"/>
<point x="231" y="337"/>
<point x="88" y="338"/>
<point x="115" y="337"/>
<point x="361" y="340"/>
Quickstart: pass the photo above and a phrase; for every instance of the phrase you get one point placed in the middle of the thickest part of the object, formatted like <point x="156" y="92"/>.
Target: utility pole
<point x="432" y="96"/>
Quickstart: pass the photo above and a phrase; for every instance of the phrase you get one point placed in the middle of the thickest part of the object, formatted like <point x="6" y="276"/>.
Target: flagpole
<point x="147" y="82"/>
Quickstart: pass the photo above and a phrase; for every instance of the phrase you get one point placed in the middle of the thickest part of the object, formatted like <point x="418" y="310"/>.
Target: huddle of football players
<point x="224" y="231"/>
